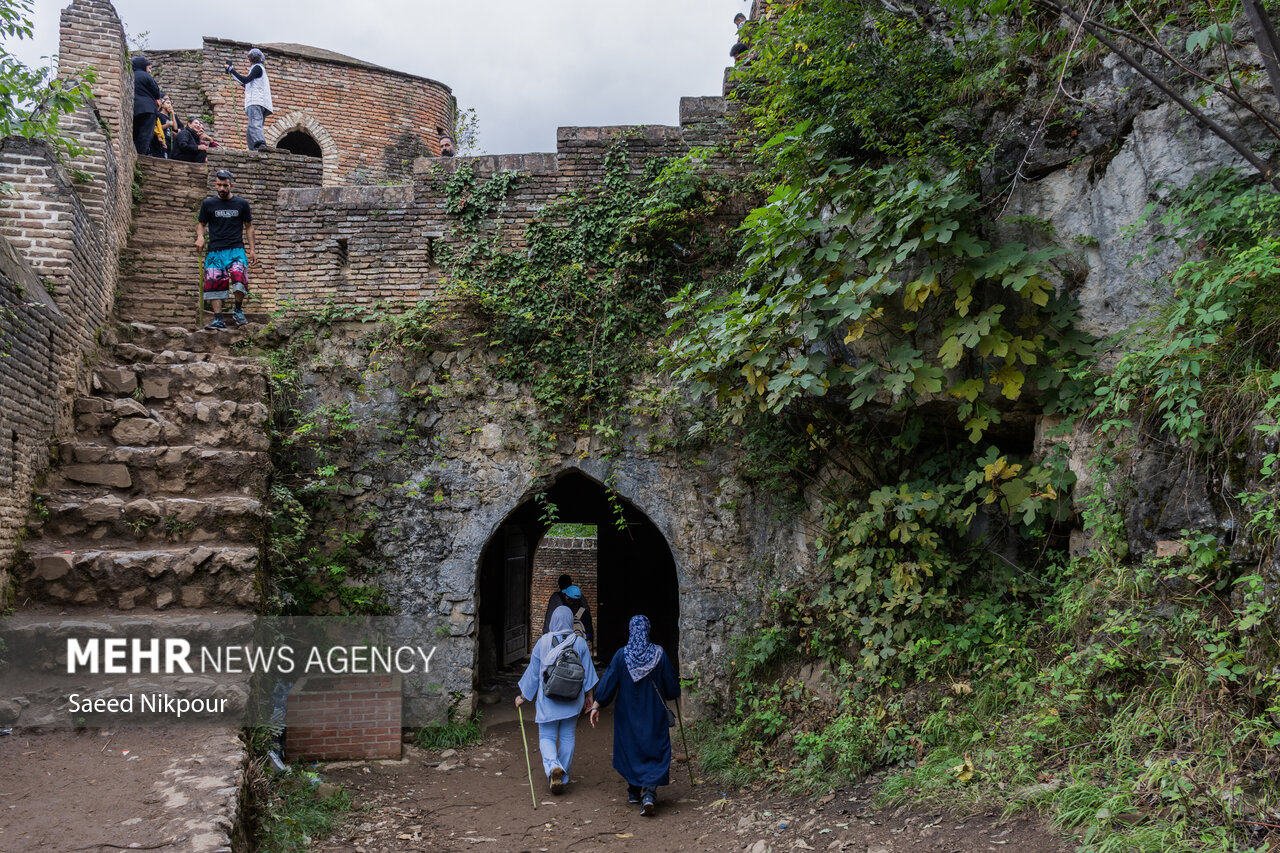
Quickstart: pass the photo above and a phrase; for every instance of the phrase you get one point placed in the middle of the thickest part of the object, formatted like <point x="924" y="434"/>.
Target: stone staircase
<point x="157" y="499"/>
<point x="149" y="525"/>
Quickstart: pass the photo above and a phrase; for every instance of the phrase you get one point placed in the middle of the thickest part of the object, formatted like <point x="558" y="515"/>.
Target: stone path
<point x="149" y="523"/>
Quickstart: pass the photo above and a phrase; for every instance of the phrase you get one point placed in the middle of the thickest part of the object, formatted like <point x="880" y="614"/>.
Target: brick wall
<point x="361" y="245"/>
<point x="561" y="555"/>
<point x="343" y="717"/>
<point x="32" y="330"/>
<point x="59" y="243"/>
<point x="160" y="271"/>
<point x="371" y="122"/>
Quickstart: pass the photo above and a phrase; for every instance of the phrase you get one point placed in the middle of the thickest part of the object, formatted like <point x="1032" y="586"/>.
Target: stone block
<point x="194" y="596"/>
<point x="103" y="509"/>
<point x="1171" y="548"/>
<point x="107" y="474"/>
<point x="156" y="387"/>
<point x="50" y="567"/>
<point x="163" y="599"/>
<point x="141" y="508"/>
<point x="115" y="380"/>
<point x="127" y="407"/>
<point x="135" y="432"/>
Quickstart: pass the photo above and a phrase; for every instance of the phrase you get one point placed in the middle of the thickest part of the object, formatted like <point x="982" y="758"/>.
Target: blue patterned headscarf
<point x="640" y="654"/>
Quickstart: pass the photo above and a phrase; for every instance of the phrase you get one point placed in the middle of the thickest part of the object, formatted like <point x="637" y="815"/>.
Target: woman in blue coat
<point x="642" y="677"/>
<point x="557" y="718"/>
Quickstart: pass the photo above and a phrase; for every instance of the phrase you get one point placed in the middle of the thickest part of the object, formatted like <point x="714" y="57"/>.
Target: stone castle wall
<point x="371" y="123"/>
<point x="60" y="238"/>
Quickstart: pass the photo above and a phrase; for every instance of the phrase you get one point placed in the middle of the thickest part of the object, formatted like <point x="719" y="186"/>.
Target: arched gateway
<point x="634" y="572"/>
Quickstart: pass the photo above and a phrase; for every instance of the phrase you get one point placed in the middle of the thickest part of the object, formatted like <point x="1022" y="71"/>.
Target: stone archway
<point x="303" y="122"/>
<point x="636" y="573"/>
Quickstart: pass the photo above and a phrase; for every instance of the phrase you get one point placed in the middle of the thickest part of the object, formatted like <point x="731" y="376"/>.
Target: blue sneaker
<point x="239" y="317"/>
<point x="217" y="326"/>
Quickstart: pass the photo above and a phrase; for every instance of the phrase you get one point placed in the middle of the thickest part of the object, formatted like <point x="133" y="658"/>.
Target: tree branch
<point x="1262" y="166"/>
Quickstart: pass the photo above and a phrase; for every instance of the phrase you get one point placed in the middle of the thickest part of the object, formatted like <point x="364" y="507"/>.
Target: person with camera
<point x="257" y="98"/>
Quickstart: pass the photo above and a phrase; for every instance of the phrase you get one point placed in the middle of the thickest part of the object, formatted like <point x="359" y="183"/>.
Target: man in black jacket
<point x="146" y="103"/>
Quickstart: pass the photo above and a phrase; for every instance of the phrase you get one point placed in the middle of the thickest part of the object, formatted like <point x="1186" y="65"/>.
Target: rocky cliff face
<point x="1097" y="188"/>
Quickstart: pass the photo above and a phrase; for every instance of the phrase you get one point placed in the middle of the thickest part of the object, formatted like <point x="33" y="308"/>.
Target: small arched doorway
<point x="300" y="142"/>
<point x="635" y="573"/>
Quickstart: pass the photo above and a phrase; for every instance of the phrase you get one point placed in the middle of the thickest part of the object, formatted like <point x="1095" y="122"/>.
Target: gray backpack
<point x="563" y="679"/>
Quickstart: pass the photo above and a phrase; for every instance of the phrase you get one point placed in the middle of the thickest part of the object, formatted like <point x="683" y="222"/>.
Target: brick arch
<point x="302" y="120"/>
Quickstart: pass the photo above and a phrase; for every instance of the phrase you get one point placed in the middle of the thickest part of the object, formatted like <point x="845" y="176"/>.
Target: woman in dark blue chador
<point x="642" y="677"/>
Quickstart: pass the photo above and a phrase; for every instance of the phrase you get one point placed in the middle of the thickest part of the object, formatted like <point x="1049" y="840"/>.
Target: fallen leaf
<point x="964" y="772"/>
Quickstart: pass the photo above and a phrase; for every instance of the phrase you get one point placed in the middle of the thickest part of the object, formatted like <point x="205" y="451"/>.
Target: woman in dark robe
<point x="642" y="678"/>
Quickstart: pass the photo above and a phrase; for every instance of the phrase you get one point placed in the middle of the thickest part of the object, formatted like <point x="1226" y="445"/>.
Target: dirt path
<point x="95" y="791"/>
<point x="478" y="800"/>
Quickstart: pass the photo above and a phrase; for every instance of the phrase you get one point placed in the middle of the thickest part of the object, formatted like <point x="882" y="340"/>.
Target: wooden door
<point x="515" y="588"/>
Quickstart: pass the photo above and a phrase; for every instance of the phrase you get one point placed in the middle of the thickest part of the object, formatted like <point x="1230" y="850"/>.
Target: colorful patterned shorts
<point x="226" y="271"/>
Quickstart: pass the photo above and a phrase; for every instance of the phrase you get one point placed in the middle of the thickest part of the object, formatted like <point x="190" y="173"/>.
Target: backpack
<point x="564" y="677"/>
<point x="578" y="627"/>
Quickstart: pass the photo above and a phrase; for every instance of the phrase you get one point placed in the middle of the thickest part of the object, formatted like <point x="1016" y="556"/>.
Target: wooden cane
<point x="688" y="757"/>
<point x="527" y="766"/>
<point x="200" y="292"/>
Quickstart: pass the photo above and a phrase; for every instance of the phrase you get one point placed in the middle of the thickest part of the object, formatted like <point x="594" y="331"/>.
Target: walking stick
<point x="688" y="757"/>
<point x="527" y="765"/>
<point x="200" y="291"/>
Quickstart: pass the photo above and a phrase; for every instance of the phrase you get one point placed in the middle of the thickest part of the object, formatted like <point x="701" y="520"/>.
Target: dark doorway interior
<point x="636" y="573"/>
<point x="299" y="142"/>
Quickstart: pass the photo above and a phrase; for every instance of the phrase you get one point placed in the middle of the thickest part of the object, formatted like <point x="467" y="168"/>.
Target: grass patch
<point x="294" y="816"/>
<point x="452" y="733"/>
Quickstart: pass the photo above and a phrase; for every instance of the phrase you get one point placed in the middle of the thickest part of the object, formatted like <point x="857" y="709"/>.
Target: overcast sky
<point x="527" y="67"/>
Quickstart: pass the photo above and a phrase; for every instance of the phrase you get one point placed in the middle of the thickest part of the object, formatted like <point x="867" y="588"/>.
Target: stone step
<point x="158" y="339"/>
<point x="37" y="636"/>
<point x="244" y="381"/>
<point x="130" y="353"/>
<point x="124" y="421"/>
<point x="161" y="471"/>
<point x="193" y="577"/>
<point x="142" y="523"/>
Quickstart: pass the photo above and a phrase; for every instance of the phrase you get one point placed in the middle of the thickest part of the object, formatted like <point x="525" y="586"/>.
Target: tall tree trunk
<point x="1264" y="33"/>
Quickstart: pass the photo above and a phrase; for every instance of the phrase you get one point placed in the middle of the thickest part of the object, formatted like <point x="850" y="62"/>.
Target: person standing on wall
<point x="146" y="104"/>
<point x="226" y="267"/>
<point x="257" y="98"/>
<point x="561" y="697"/>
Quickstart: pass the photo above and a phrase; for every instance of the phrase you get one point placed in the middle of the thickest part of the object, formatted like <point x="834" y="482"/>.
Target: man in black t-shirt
<point x="226" y="267"/>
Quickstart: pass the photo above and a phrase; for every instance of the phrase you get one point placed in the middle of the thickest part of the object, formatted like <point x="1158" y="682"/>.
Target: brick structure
<point x="341" y="717"/>
<point x="368" y="123"/>
<point x="363" y="245"/>
<point x="59" y="242"/>
<point x="160" y="271"/>
<point x="556" y="556"/>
